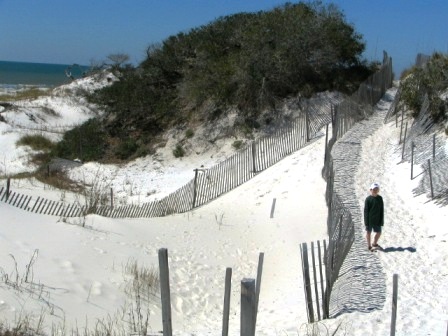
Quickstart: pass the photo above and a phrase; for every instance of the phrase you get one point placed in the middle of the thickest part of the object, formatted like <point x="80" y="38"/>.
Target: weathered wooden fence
<point x="250" y="294"/>
<point x="41" y="205"/>
<point x="314" y="281"/>
<point x="208" y="184"/>
<point x="422" y="143"/>
<point x="340" y="224"/>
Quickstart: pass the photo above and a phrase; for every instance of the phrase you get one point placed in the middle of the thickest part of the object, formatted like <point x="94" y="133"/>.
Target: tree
<point x="118" y="59"/>
<point x="247" y="61"/>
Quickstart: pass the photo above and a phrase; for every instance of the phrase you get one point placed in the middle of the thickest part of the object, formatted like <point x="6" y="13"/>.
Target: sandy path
<point x="415" y="244"/>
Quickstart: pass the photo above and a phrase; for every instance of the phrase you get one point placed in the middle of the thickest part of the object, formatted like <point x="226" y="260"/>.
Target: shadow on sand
<point x="399" y="249"/>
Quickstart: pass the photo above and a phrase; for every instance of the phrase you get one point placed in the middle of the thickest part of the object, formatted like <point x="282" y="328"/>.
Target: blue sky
<point x="81" y="31"/>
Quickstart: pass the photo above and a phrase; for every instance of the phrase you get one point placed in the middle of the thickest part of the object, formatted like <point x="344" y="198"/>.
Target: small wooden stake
<point x="225" y="319"/>
<point x="273" y="208"/>
<point x="394" y="305"/>
<point x="165" y="292"/>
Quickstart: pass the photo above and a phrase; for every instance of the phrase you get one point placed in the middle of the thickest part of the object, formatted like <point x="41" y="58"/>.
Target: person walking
<point x="373" y="216"/>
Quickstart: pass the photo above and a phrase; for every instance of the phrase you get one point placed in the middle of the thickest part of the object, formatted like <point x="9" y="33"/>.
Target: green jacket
<point x="374" y="211"/>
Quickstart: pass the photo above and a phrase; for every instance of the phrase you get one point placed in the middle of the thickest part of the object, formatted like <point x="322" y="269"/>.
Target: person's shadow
<point x="399" y="249"/>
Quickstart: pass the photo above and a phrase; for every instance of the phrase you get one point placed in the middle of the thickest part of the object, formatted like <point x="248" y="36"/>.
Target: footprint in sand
<point x="178" y="304"/>
<point x="100" y="251"/>
<point x="67" y="266"/>
<point x="96" y="287"/>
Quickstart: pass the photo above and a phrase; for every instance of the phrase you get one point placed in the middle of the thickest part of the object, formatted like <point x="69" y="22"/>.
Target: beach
<point x="78" y="266"/>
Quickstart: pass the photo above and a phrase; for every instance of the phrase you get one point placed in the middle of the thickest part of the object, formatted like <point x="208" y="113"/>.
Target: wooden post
<point x="254" y="157"/>
<point x="326" y="144"/>
<point x="316" y="291"/>
<point x="307" y="282"/>
<point x="165" y="291"/>
<point x="430" y="178"/>
<point x="394" y="305"/>
<point x="247" y="307"/>
<point x="8" y="184"/>
<point x="273" y="208"/>
<point x="195" y="187"/>
<point x="412" y="160"/>
<point x="401" y="125"/>
<point x="258" y="286"/>
<point x="227" y="291"/>
<point x="111" y="198"/>
<point x="307" y="124"/>
<point x="404" y="140"/>
<point x="335" y="124"/>
<point x="319" y="255"/>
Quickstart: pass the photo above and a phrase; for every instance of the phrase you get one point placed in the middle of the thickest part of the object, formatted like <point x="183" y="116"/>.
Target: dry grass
<point x="31" y="93"/>
<point x="142" y="284"/>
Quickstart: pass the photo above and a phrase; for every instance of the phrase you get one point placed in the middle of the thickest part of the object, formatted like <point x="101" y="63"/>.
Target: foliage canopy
<point x="247" y="61"/>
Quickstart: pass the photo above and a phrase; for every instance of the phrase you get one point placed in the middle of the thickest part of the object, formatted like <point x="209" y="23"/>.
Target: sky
<point x="85" y="31"/>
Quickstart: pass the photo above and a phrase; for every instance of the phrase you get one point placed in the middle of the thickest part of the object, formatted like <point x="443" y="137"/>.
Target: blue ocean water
<point x="13" y="74"/>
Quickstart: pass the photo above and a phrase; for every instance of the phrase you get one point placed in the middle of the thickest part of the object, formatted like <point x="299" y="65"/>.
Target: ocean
<point x="18" y="74"/>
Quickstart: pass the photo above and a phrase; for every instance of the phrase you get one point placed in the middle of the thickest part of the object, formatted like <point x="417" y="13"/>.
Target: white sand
<point x="81" y="269"/>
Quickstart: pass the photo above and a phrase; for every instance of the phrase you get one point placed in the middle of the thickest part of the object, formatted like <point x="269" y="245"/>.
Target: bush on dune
<point x="246" y="61"/>
<point x="431" y="80"/>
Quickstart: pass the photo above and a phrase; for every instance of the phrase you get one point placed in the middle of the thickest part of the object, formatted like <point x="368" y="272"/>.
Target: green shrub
<point x="245" y="61"/>
<point x="179" y="151"/>
<point x="126" y="149"/>
<point x="237" y="144"/>
<point x="189" y="133"/>
<point x="431" y="80"/>
<point x="36" y="142"/>
<point x="86" y="142"/>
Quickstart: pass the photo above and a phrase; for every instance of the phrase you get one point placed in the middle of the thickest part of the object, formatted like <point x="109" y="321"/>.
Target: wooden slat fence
<point x="41" y="205"/>
<point x="423" y="144"/>
<point x="340" y="224"/>
<point x="360" y="104"/>
<point x="209" y="184"/>
<point x="314" y="280"/>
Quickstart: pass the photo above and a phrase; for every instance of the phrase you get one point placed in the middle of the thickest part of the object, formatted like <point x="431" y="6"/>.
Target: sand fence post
<point x="307" y="282"/>
<point x="247" y="307"/>
<point x="307" y="124"/>
<point x="412" y="160"/>
<point x="254" y="156"/>
<point x="195" y="184"/>
<point x="111" y="198"/>
<point x="316" y="290"/>
<point x="430" y="178"/>
<point x="326" y="143"/>
<point x="165" y="292"/>
<point x="258" y="286"/>
<point x="8" y="185"/>
<point x="394" y="305"/>
<point x="404" y="141"/>
<point x="273" y="207"/>
<point x="319" y="255"/>
<point x="227" y="291"/>
<point x="401" y="126"/>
